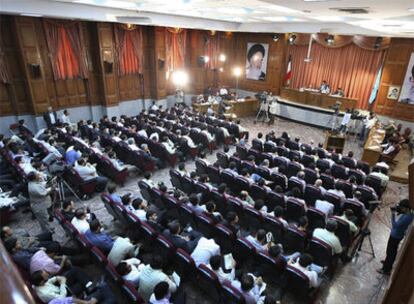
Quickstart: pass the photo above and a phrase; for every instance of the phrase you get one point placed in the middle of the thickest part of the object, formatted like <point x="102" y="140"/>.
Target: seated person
<point x="152" y="220"/>
<point x="338" y="191"/>
<point x="380" y="173"/>
<point x="139" y="208"/>
<point x="349" y="217"/>
<point x="211" y="211"/>
<point x="278" y="213"/>
<point x="318" y="184"/>
<point x="194" y="204"/>
<point x="246" y="199"/>
<point x="130" y="270"/>
<point x="232" y="222"/>
<point x="300" y="177"/>
<point x="304" y="265"/>
<point x="205" y="249"/>
<point x="124" y="248"/>
<point x="88" y="172"/>
<point x="116" y="163"/>
<point x="327" y="235"/>
<point x="324" y="88"/>
<point x="339" y="92"/>
<point x="297" y="194"/>
<point x="47" y="260"/>
<point x="182" y="171"/>
<point x="73" y="154"/>
<point x="223" y="274"/>
<point x="148" y="180"/>
<point x="116" y="198"/>
<point x="20" y="256"/>
<point x="68" y="210"/>
<point x="251" y="287"/>
<point x="151" y="275"/>
<point x="98" y="238"/>
<point x="81" y="220"/>
<point x="324" y="206"/>
<point x="185" y="241"/>
<point x="259" y="240"/>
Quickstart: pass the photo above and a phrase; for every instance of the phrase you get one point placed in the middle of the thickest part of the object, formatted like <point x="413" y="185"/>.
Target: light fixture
<point x="237" y="71"/>
<point x="222" y="57"/>
<point x="291" y="39"/>
<point x="180" y="78"/>
<point x="206" y="59"/>
<point x="221" y="69"/>
<point x="378" y="42"/>
<point x="275" y="37"/>
<point x="30" y="15"/>
<point x="330" y="39"/>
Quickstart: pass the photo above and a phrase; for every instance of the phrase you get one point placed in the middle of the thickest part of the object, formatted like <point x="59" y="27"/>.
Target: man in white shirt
<point x="143" y="133"/>
<point x="345" y="121"/>
<point x="205" y="249"/>
<point x="304" y="265"/>
<point x="377" y="172"/>
<point x="318" y="184"/>
<point x="168" y="145"/>
<point x="130" y="270"/>
<point x="324" y="88"/>
<point x="151" y="275"/>
<point x="215" y="265"/>
<point x="154" y="106"/>
<point x="324" y="206"/>
<point x="338" y="191"/>
<point x="88" y="172"/>
<point x="122" y="249"/>
<point x="80" y="220"/>
<point x="328" y="236"/>
<point x="259" y="240"/>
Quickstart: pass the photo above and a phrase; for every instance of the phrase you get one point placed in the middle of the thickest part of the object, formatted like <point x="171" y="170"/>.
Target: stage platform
<point x="400" y="172"/>
<point x="305" y="114"/>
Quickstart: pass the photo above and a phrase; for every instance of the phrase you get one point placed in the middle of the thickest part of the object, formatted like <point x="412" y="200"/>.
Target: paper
<point x="269" y="237"/>
<point x="176" y="278"/>
<point x="228" y="261"/>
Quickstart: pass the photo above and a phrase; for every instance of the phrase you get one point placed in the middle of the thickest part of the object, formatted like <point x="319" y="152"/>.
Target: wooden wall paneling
<point x="106" y="52"/>
<point x="395" y="67"/>
<point x="30" y="54"/>
<point x="156" y="41"/>
<point x="15" y="96"/>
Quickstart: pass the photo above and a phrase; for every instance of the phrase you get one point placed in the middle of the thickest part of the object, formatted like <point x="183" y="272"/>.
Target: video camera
<point x="402" y="208"/>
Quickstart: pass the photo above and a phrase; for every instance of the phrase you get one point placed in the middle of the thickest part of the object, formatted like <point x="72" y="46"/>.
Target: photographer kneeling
<point x="398" y="230"/>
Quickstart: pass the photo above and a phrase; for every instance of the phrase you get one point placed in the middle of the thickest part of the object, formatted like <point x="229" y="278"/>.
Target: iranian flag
<point x="288" y="75"/>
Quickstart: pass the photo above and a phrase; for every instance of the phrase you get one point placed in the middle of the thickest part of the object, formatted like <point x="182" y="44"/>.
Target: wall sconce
<point x="292" y="39"/>
<point x="275" y="37"/>
<point x="161" y="63"/>
<point x="330" y="39"/>
<point x="108" y="67"/>
<point x="35" y="71"/>
<point x="378" y="42"/>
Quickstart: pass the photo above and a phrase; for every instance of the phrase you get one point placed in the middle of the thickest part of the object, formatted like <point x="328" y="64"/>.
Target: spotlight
<point x="275" y="37"/>
<point x="378" y="42"/>
<point x="206" y="59"/>
<point x="180" y="78"/>
<point x="330" y="40"/>
<point x="292" y="39"/>
<point x="221" y="69"/>
<point x="237" y="72"/>
<point x="222" y="57"/>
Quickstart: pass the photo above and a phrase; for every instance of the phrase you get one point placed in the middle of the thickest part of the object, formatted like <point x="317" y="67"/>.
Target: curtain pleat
<point x="66" y="49"/>
<point x="5" y="76"/>
<point x="175" y="45"/>
<point x="350" y="67"/>
<point x="129" y="49"/>
<point x="212" y="50"/>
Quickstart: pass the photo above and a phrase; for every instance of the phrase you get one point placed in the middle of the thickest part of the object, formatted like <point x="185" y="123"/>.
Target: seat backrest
<point x="230" y="295"/>
<point x="224" y="237"/>
<point x="334" y="200"/>
<point x="328" y="181"/>
<point x="294" y="240"/>
<point x="243" y="250"/>
<point x="275" y="199"/>
<point x="316" y="218"/>
<point x="294" y="209"/>
<point x="342" y="231"/>
<point x="320" y="251"/>
<point x="208" y="281"/>
<point x="275" y="226"/>
<point x="312" y="194"/>
<point x="297" y="282"/>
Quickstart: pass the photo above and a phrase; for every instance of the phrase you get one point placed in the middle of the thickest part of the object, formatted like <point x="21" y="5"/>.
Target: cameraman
<point x="40" y="201"/>
<point x="399" y="227"/>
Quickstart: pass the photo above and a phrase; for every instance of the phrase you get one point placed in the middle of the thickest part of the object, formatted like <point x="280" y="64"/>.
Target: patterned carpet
<point x="355" y="283"/>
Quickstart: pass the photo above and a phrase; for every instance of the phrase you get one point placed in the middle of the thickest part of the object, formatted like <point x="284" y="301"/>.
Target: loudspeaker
<point x="108" y="67"/>
<point x="35" y="70"/>
<point x="201" y="61"/>
<point x="161" y="63"/>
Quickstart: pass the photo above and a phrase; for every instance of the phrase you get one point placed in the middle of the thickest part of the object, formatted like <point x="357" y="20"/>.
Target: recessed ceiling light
<point x="411" y="9"/>
<point x="320" y="0"/>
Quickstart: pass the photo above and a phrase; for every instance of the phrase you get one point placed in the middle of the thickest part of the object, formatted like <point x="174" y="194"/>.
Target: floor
<point x="357" y="282"/>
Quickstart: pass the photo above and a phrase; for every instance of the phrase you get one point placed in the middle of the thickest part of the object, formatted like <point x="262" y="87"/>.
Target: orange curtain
<point x="175" y="44"/>
<point x="212" y="49"/>
<point x="350" y="67"/>
<point x="66" y="49"/>
<point x="129" y="49"/>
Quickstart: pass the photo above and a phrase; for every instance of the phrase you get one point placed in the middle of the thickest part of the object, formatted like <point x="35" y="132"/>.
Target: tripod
<point x="333" y="121"/>
<point x="264" y="109"/>
<point x="59" y="184"/>
<point x="366" y="232"/>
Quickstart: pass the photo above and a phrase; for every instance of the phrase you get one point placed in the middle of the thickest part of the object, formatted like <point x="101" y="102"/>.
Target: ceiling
<point x="366" y="17"/>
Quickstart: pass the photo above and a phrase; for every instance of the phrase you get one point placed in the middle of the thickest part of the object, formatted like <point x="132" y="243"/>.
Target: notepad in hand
<point x="176" y="278"/>
<point x="228" y="261"/>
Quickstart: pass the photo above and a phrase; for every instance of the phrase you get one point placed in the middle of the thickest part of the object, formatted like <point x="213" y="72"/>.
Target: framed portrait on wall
<point x="256" y="60"/>
<point x="393" y="92"/>
<point x="407" y="91"/>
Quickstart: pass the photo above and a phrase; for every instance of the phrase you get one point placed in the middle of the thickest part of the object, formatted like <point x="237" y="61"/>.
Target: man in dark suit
<point x="50" y="117"/>
<point x="187" y="242"/>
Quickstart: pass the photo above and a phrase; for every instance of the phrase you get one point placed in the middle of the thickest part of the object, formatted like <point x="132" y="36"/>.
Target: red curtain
<point x="212" y="49"/>
<point x="4" y="71"/>
<point x="66" y="50"/>
<point x="351" y="68"/>
<point x="175" y="44"/>
<point x="129" y="49"/>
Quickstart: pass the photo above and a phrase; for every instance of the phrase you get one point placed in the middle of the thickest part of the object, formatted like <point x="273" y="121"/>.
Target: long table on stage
<point x="241" y="108"/>
<point x="316" y="99"/>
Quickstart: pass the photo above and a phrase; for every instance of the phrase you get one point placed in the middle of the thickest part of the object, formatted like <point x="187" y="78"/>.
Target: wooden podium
<point x="334" y="141"/>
